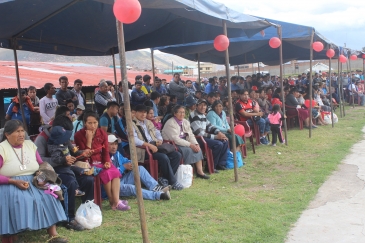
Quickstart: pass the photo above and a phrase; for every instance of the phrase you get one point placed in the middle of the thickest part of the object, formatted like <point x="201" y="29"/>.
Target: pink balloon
<point x="274" y="42"/>
<point x="330" y="53"/>
<point x="363" y="56"/>
<point x="221" y="43"/>
<point x="317" y="46"/>
<point x="343" y="59"/>
<point x="353" y="57"/>
<point x="127" y="11"/>
<point x="239" y="130"/>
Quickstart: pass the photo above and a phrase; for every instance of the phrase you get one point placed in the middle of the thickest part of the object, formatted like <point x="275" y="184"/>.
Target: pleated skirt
<point x="29" y="209"/>
<point x="189" y="156"/>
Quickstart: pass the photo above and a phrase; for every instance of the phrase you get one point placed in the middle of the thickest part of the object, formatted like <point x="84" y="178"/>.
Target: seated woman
<point x="22" y="205"/>
<point x="178" y="130"/>
<point x="155" y="120"/>
<point x="94" y="138"/>
<point x="218" y="118"/>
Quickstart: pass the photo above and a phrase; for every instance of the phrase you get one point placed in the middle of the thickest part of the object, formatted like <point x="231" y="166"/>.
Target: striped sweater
<point x="201" y="126"/>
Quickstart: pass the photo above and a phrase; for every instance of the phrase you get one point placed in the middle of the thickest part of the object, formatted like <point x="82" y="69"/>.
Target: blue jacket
<point x="220" y="123"/>
<point x="119" y="161"/>
<point x="138" y="97"/>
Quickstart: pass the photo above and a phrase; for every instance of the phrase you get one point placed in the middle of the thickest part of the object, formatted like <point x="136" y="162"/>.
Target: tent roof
<point x="88" y="27"/>
<point x="296" y="41"/>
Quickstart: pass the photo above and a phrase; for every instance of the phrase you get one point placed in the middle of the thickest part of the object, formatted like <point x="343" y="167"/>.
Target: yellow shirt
<point x="11" y="162"/>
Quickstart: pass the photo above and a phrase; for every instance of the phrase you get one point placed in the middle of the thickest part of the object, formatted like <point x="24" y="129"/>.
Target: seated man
<point x="215" y="139"/>
<point x="109" y="119"/>
<point x="246" y="109"/>
<point x="127" y="187"/>
<point x="146" y="134"/>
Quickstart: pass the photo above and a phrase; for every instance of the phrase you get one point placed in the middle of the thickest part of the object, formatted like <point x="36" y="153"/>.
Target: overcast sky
<point x="340" y="21"/>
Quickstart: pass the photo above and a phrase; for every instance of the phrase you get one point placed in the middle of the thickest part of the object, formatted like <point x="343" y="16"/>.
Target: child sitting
<point x="275" y="119"/>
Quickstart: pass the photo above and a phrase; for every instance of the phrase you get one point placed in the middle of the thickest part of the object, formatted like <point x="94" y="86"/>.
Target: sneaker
<point x="263" y="141"/>
<point x="274" y="144"/>
<point x="165" y="196"/>
<point x="177" y="186"/>
<point x="283" y="142"/>
<point x="74" y="225"/>
<point x="159" y="188"/>
<point x="163" y="182"/>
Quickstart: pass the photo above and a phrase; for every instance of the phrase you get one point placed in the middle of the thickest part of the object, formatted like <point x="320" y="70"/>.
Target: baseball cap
<point x="202" y="101"/>
<point x="112" y="138"/>
<point x="81" y="107"/>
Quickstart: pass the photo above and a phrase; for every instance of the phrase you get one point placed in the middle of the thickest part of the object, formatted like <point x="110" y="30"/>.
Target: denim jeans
<point x="264" y="124"/>
<point x="127" y="187"/>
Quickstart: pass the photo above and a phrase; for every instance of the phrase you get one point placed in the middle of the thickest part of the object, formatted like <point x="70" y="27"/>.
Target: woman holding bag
<point x="217" y="117"/>
<point x="178" y="130"/>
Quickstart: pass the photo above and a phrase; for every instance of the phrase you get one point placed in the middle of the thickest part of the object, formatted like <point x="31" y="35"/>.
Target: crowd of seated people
<point x="80" y="143"/>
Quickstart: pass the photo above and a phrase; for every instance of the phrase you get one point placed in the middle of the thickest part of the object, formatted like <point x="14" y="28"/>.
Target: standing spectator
<point x="248" y="83"/>
<point x="48" y="104"/>
<point x="222" y="88"/>
<point x="109" y="118"/>
<point x="241" y="82"/>
<point x="215" y="139"/>
<point x="158" y="87"/>
<point x="35" y="118"/>
<point x="79" y="94"/>
<point x="64" y="94"/>
<point x="234" y="85"/>
<point x="14" y="111"/>
<point x="138" y="97"/>
<point x="102" y="97"/>
<point x="210" y="88"/>
<point x="146" y="87"/>
<point x="178" y="89"/>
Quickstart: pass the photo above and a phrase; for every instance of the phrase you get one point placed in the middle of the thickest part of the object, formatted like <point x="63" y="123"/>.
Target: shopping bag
<point x="89" y="215"/>
<point x="184" y="175"/>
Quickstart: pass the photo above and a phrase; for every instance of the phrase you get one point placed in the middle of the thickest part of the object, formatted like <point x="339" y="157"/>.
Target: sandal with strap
<point x="121" y="206"/>
<point x="57" y="239"/>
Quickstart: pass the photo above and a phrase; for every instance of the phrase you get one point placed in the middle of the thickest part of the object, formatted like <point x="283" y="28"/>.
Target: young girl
<point x="275" y="119"/>
<point x="155" y="120"/>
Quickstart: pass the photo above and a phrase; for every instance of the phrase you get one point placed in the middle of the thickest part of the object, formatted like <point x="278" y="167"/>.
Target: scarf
<point x="27" y="101"/>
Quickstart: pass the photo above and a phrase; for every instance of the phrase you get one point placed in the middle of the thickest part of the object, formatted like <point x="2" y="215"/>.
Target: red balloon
<point x="274" y="42"/>
<point x="363" y="56"/>
<point x="353" y="57"/>
<point x="239" y="130"/>
<point x="343" y="59"/>
<point x="317" y="46"/>
<point x="221" y="43"/>
<point x="330" y="53"/>
<point x="127" y="11"/>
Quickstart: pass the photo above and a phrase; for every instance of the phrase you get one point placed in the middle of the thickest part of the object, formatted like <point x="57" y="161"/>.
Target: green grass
<point x="272" y="191"/>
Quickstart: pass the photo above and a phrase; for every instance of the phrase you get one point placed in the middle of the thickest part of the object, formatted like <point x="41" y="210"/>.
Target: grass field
<point x="272" y="191"/>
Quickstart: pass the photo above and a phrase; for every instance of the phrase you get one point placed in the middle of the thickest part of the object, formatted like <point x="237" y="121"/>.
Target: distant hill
<point x="140" y="60"/>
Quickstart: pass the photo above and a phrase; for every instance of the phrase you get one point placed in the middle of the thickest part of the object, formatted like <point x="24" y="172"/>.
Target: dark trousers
<point x="168" y="164"/>
<point x="275" y="132"/>
<point x="219" y="150"/>
<point x="70" y="182"/>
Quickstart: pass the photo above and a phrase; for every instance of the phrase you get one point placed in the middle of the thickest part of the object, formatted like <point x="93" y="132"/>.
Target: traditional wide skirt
<point x="30" y="209"/>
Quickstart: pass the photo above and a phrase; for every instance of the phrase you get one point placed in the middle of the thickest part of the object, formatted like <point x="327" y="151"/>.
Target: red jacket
<point x="100" y="139"/>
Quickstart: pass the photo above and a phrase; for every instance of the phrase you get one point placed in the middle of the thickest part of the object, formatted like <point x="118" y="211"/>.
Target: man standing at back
<point x="79" y="94"/>
<point x="178" y="89"/>
<point x="48" y="104"/>
<point x="102" y="97"/>
<point x="64" y="94"/>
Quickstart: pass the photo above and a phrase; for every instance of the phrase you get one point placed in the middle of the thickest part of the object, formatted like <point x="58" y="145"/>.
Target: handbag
<point x="89" y="215"/>
<point x="164" y="148"/>
<point x="184" y="175"/>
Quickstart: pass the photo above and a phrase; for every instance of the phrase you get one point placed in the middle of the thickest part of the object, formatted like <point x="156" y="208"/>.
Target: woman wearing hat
<point x="190" y="105"/>
<point x="217" y="118"/>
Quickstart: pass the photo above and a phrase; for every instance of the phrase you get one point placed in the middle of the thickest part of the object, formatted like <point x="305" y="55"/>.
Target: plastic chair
<point x="97" y="192"/>
<point x="208" y="154"/>
<point x="248" y="134"/>
<point x="291" y="118"/>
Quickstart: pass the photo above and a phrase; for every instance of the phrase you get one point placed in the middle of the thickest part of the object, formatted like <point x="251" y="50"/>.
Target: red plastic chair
<point x="291" y="118"/>
<point x="208" y="154"/>
<point x="97" y="191"/>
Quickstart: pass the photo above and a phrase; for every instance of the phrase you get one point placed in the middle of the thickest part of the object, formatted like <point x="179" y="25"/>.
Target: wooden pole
<point x="310" y="83"/>
<point x="132" y="147"/>
<point x="282" y="80"/>
<point x="18" y="84"/>
<point x="231" y="118"/>
<point x="115" y="78"/>
<point x="238" y="70"/>
<point x="330" y="88"/>
<point x="153" y="66"/>
<point x="199" y="78"/>
<point x="258" y="67"/>
<point x="339" y="78"/>
<point x="352" y="92"/>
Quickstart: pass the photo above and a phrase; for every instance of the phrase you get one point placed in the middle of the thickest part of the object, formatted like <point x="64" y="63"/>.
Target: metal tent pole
<point x="279" y="29"/>
<point x="310" y="83"/>
<point x="14" y="42"/>
<point x="132" y="147"/>
<point x="231" y="118"/>
<point x="115" y="78"/>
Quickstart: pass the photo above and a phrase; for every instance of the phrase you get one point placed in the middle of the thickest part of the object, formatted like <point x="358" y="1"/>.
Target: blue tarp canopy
<point x="88" y="27"/>
<point x="296" y="42"/>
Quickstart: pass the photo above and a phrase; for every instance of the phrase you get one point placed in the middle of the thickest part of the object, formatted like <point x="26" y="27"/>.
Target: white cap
<point x="81" y="107"/>
<point x="112" y="138"/>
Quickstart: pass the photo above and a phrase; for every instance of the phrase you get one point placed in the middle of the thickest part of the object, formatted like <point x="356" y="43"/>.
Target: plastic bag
<point x="327" y="119"/>
<point x="335" y="118"/>
<point x="184" y="175"/>
<point x="230" y="162"/>
<point x="89" y="215"/>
